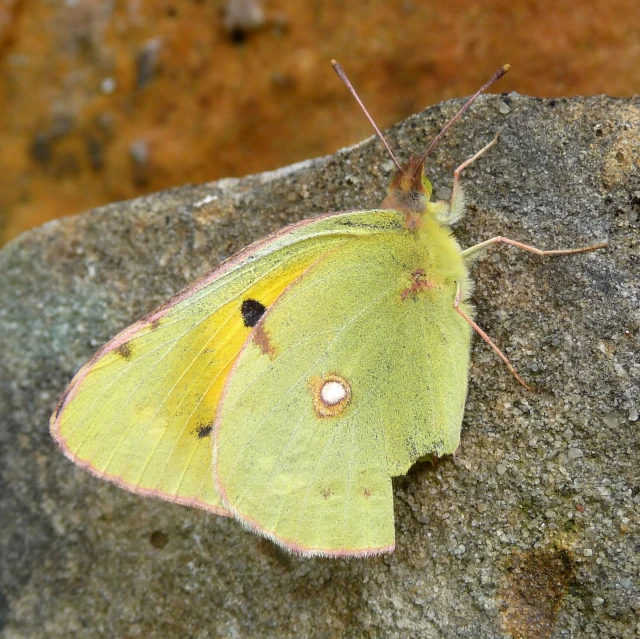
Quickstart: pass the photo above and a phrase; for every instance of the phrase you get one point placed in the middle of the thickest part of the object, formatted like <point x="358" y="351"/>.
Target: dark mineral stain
<point x="252" y="311"/>
<point x="95" y="151"/>
<point x="203" y="431"/>
<point x="4" y="610"/>
<point x="158" y="539"/>
<point x="147" y="63"/>
<point x="124" y="350"/>
<point x="238" y="36"/>
<point x="41" y="148"/>
<point x="536" y="584"/>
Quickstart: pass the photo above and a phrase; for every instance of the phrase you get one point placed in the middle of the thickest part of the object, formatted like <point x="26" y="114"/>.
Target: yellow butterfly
<point x="290" y="384"/>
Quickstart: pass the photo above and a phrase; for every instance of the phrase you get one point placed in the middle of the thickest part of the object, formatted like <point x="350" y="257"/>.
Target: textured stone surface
<point x="531" y="529"/>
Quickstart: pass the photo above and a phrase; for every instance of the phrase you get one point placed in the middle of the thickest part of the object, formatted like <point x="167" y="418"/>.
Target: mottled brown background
<point x="105" y="100"/>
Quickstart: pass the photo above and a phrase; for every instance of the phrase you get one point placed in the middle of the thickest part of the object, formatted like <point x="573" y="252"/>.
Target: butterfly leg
<point x="452" y="212"/>
<point x="472" y="251"/>
<point x="487" y="339"/>
<point x="457" y="195"/>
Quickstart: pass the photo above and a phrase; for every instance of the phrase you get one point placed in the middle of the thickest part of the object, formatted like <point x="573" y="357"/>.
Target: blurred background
<point x="108" y="99"/>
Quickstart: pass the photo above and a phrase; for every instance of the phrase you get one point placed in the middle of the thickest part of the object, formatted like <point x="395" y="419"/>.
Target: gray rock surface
<point x="530" y="531"/>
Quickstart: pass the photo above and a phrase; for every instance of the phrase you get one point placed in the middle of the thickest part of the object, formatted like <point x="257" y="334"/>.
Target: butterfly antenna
<point x="494" y="78"/>
<point x="343" y="76"/>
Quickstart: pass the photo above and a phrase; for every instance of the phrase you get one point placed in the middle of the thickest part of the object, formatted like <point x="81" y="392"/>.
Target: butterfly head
<point x="409" y="191"/>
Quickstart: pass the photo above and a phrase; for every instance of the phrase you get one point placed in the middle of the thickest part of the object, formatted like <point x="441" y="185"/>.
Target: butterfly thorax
<point x="439" y="261"/>
<point x="409" y="193"/>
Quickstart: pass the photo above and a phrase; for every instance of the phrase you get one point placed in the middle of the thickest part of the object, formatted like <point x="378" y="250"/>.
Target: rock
<point x="81" y="558"/>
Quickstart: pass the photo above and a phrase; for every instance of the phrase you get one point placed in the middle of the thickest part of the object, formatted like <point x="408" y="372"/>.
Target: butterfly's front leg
<point x="449" y="213"/>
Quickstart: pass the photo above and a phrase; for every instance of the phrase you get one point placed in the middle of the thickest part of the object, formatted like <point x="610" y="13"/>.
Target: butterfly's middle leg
<point x="473" y="250"/>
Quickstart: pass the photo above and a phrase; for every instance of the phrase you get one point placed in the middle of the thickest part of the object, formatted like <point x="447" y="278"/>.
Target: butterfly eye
<point x="331" y="395"/>
<point x="252" y="311"/>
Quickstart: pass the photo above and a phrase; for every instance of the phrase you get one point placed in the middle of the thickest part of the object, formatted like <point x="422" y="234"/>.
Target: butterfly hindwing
<point x="316" y="477"/>
<point x="141" y="412"/>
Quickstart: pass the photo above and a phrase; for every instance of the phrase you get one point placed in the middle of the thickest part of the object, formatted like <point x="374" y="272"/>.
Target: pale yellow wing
<point x="140" y="413"/>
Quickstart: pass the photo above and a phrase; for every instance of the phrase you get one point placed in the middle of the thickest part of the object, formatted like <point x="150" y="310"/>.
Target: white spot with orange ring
<point x="331" y="395"/>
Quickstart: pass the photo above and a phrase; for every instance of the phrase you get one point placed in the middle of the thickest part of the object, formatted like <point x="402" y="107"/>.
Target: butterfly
<point x="288" y="386"/>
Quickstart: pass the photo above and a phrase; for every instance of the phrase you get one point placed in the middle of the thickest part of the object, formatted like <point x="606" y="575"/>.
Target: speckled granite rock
<point x="532" y="529"/>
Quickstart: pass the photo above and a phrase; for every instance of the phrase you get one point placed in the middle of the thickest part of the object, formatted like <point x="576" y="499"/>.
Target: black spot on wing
<point x="252" y="311"/>
<point x="125" y="351"/>
<point x="203" y="431"/>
